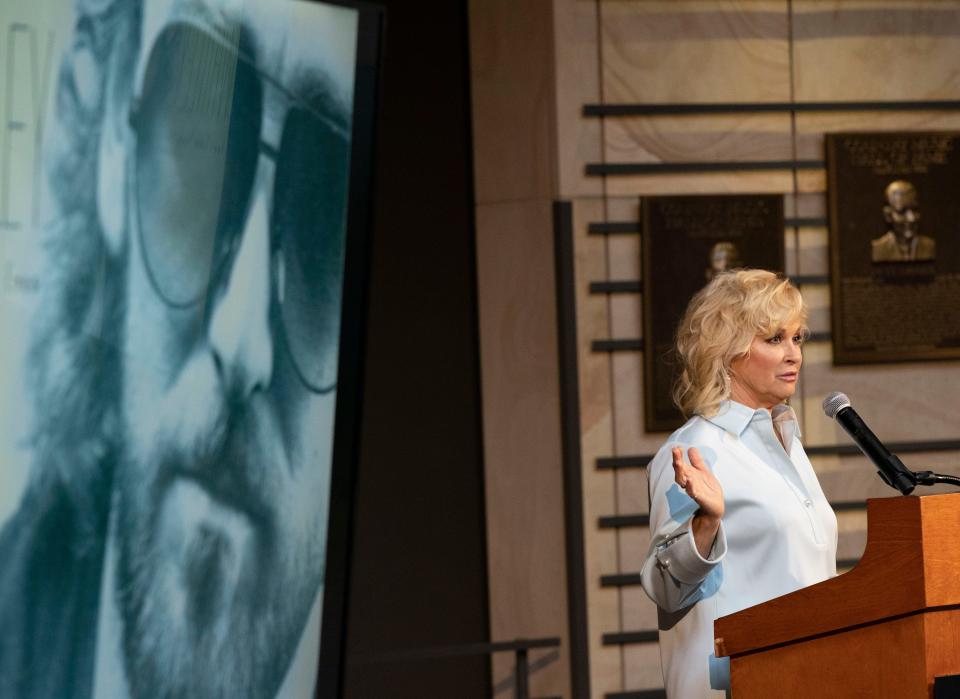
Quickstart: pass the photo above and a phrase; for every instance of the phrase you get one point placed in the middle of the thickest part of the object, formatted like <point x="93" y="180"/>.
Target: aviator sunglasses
<point x="197" y="123"/>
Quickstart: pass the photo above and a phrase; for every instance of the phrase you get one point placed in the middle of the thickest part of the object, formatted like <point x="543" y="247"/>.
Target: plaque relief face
<point x="687" y="240"/>
<point x="894" y="257"/>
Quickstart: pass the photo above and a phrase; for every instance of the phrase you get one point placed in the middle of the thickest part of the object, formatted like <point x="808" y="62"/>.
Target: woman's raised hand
<point x="698" y="482"/>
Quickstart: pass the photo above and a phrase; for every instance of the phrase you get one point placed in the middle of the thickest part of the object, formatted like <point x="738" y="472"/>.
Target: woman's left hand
<point x="700" y="484"/>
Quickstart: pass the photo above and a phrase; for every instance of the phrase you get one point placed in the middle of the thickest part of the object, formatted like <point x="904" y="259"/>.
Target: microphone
<point x="891" y="469"/>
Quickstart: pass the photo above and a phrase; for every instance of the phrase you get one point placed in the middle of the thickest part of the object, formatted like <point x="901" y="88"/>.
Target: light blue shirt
<point x="778" y="535"/>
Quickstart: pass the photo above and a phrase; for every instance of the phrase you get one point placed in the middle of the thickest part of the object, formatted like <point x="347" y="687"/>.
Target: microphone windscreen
<point x="834" y="403"/>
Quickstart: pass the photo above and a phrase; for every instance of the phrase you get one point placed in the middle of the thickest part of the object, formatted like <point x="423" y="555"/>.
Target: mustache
<point x="222" y="441"/>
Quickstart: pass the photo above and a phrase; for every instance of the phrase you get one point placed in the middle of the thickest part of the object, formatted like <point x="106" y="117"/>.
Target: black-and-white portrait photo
<point x="164" y="533"/>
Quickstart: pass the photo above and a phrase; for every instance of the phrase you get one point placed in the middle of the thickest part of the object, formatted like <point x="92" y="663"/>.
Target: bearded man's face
<point x="229" y="351"/>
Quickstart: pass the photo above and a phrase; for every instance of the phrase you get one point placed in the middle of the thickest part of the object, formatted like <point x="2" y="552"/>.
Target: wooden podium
<point x="886" y="628"/>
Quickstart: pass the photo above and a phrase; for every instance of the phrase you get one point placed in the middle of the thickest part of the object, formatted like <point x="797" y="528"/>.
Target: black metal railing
<point x="520" y="647"/>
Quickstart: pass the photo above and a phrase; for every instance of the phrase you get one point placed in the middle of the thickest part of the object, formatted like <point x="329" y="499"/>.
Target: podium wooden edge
<point x="908" y="567"/>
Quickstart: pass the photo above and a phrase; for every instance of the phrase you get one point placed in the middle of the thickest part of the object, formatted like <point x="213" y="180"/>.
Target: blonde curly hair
<point x="720" y="324"/>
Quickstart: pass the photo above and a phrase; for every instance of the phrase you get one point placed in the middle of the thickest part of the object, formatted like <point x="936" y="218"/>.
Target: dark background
<point x="676" y="255"/>
<point x="859" y="200"/>
<point x="418" y="575"/>
<point x="868" y="300"/>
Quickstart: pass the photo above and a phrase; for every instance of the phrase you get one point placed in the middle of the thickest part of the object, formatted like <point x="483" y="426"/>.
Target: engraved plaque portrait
<point x="687" y="240"/>
<point x="894" y="253"/>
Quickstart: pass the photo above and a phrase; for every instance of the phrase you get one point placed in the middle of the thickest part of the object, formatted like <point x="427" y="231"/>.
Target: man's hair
<point x="895" y="185"/>
<point x="73" y="370"/>
<point x="719" y="326"/>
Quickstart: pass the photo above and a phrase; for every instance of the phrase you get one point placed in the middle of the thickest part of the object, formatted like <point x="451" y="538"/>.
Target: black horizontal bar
<point x="615" y="462"/>
<point x="633" y="579"/>
<point x="637" y="694"/>
<point x="635" y="286"/>
<point x="743" y="107"/>
<point x="614" y="227"/>
<point x="641" y="520"/>
<point x="605" y="462"/>
<point x="608" y="227"/>
<point x="617" y="521"/>
<point x="711" y="166"/>
<point x="635" y="344"/>
<point x="517" y="644"/>
<point x="616" y="287"/>
<point x="620" y="580"/>
<point x="630" y="344"/>
<point x="641" y="460"/>
<point x="455" y="650"/>
<point x="620" y="637"/>
<point x="902" y="447"/>
<point x="804" y="279"/>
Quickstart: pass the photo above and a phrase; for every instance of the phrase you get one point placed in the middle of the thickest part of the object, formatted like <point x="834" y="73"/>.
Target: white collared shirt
<point x="778" y="535"/>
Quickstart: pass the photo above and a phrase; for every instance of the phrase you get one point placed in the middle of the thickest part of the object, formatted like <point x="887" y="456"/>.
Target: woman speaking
<point x="737" y="515"/>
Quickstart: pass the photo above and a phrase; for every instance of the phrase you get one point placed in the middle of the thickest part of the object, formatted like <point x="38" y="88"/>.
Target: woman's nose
<point x="794" y="353"/>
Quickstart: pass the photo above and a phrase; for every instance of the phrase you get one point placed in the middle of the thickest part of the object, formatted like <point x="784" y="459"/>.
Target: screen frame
<point x="352" y="345"/>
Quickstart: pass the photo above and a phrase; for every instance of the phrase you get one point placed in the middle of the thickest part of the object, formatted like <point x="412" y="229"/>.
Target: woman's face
<point x="767" y="374"/>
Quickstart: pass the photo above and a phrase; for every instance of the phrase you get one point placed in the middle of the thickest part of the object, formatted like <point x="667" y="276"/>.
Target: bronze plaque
<point x="894" y="258"/>
<point x="686" y="240"/>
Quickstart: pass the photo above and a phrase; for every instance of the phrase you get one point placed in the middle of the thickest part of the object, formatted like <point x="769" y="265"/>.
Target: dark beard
<point x="236" y="648"/>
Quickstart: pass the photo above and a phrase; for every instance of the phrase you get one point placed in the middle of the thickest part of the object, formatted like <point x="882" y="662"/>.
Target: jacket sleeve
<point x="674" y="571"/>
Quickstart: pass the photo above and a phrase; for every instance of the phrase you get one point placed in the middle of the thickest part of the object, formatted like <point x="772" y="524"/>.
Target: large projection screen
<point x="184" y="188"/>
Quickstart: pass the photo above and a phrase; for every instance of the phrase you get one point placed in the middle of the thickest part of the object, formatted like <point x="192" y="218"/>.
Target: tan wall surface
<point x="535" y="65"/>
<point x="691" y="51"/>
<point x="524" y="488"/>
<point x="515" y="166"/>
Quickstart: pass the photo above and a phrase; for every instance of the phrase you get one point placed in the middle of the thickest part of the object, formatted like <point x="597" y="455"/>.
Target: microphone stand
<point x="931" y="478"/>
<point x="903" y="479"/>
<point x="890" y="468"/>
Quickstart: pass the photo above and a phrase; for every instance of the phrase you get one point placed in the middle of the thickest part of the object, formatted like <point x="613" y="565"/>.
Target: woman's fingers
<point x="679" y="468"/>
<point x="696" y="460"/>
<point x="689" y="477"/>
<point x="678" y="464"/>
<point x="698" y="481"/>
